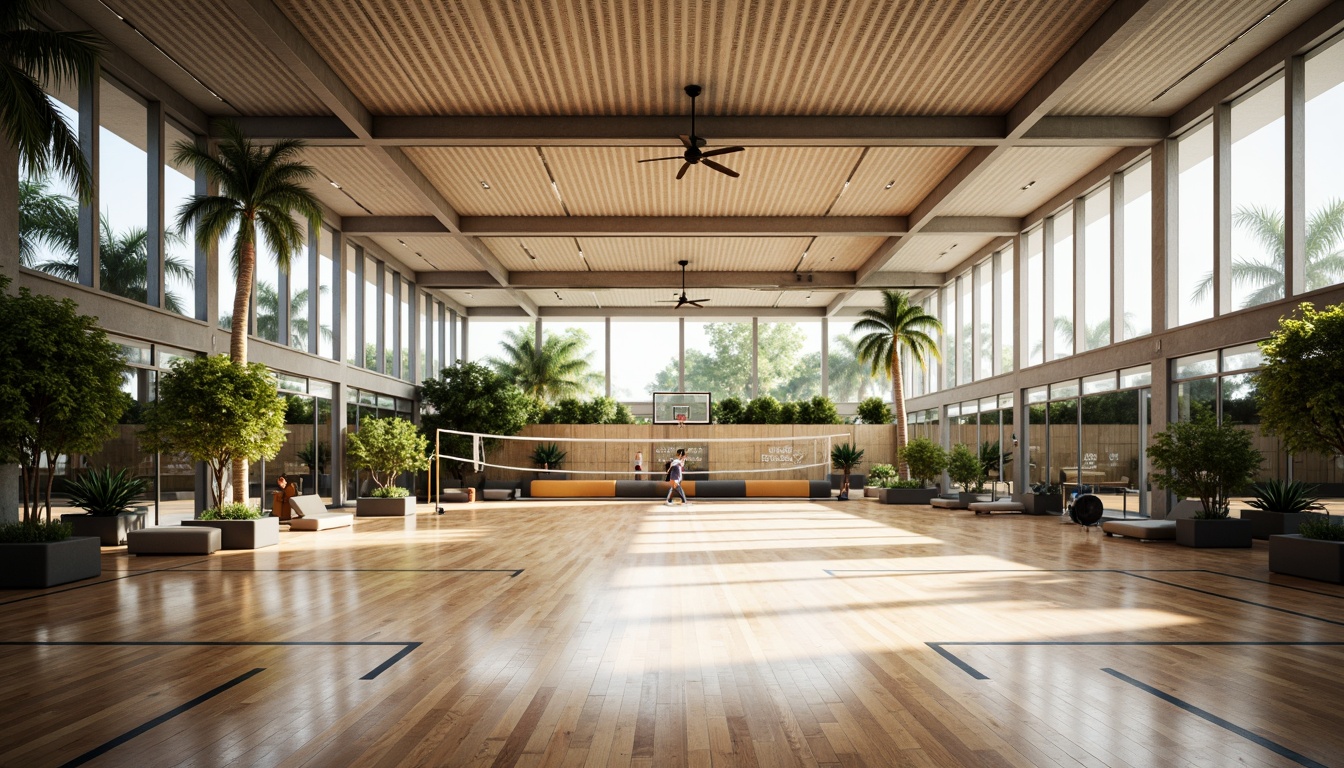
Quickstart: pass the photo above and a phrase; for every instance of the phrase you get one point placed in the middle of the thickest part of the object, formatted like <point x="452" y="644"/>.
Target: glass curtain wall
<point x="1325" y="164"/>
<point x="1004" y="310"/>
<point x="640" y="349"/>
<point x="849" y="380"/>
<point x="322" y="305"/>
<point x="1094" y="317"/>
<point x="789" y="359"/>
<point x="1193" y="295"/>
<point x="984" y="299"/>
<point x="1257" y="265"/>
<point x="1033" y="310"/>
<point x="51" y="245"/>
<point x="588" y="341"/>
<point x="123" y="180"/>
<point x="179" y="247"/>
<point x="1061" y="283"/>
<point x="1136" y="255"/>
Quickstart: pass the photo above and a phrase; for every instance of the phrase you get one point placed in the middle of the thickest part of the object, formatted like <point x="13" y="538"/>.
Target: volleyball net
<point x="519" y="457"/>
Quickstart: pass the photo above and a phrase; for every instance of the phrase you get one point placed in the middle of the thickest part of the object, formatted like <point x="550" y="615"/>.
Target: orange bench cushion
<point x="758" y="488"/>
<point x="574" y="488"/>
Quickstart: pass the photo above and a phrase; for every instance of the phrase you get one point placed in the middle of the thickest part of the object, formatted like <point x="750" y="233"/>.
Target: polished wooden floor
<point x="724" y="634"/>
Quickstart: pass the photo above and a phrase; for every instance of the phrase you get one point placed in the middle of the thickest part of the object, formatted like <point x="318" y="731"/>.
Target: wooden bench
<point x="174" y="541"/>
<point x="316" y="516"/>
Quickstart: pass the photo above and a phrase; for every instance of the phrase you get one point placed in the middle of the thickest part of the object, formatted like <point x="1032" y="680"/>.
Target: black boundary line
<point x="1254" y="738"/>
<point x="1276" y="584"/>
<point x="406" y="646"/>
<point x="978" y="675"/>
<point x="1235" y="599"/>
<point x="103" y="581"/>
<point x="108" y="746"/>
<point x="513" y="572"/>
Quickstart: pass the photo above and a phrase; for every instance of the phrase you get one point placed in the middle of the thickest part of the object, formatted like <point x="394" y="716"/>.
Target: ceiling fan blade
<point x="695" y="301"/>
<point x="686" y="140"/>
<point x="720" y="168"/>
<point x="724" y="151"/>
<point x="656" y="159"/>
<point x="682" y="172"/>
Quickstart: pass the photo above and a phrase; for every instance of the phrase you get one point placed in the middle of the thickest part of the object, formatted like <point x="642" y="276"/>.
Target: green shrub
<point x="789" y="413"/>
<point x="879" y="473"/>
<point x="103" y="492"/>
<point x="729" y="410"/>
<point x="1278" y="496"/>
<point x="34" y="532"/>
<point x="762" y="410"/>
<point x="925" y="459"/>
<point x="874" y="411"/>
<point x="1321" y="527"/>
<point x="818" y="410"/>
<point x="1205" y="460"/>
<point x="390" y="492"/>
<point x="548" y="456"/>
<point x="565" y="411"/>
<point x="964" y="467"/>
<point x="387" y="447"/>
<point x="234" y="511"/>
<point x="896" y="482"/>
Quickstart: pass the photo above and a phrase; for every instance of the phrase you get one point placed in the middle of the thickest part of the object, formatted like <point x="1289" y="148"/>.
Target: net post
<point x="436" y="475"/>
<point x="475" y="453"/>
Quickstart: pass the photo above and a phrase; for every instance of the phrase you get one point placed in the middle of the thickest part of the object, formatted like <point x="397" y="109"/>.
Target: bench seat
<point x="942" y="503"/>
<point x="1143" y="530"/>
<point x="990" y="507"/>
<point x="174" y="541"/>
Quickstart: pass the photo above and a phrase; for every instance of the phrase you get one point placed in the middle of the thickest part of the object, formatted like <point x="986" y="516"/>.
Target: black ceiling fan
<point x="694" y="155"/>
<point x="682" y="301"/>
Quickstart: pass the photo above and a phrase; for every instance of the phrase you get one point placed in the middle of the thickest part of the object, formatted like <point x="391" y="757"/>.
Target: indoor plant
<point x="1043" y="499"/>
<point x="1316" y="551"/>
<point x="386" y="448"/>
<point x="845" y="457"/>
<point x="549" y="457"/>
<point x="1278" y="507"/>
<point x="105" y="496"/>
<point x="241" y="526"/>
<point x="925" y="461"/>
<point x="1208" y="461"/>
<point x="878" y="475"/>
<point x="34" y="555"/>
<point x="966" y="471"/>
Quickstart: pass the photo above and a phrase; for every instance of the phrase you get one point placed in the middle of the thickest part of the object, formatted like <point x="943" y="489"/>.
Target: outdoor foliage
<point x="34" y="532"/>
<point x="215" y="411"/>
<point x="599" y="410"/>
<point x="1321" y="527"/>
<point x="1300" y="387"/>
<point x="548" y="456"/>
<point x="390" y="492"/>
<point x="1289" y="497"/>
<point x="879" y="473"/>
<point x="1324" y="259"/>
<point x="964" y="468"/>
<point x="472" y="398"/>
<point x="561" y="369"/>
<point x="925" y="458"/>
<point x="729" y="410"/>
<point x="818" y="410"/>
<point x="763" y="410"/>
<point x="235" y="511"/>
<point x="874" y="411"/>
<point x="990" y="457"/>
<point x="387" y="448"/>
<point x="104" y="492"/>
<point x="1205" y="460"/>
<point x="60" y="387"/>
<point x="724" y="367"/>
<point x="846" y="457"/>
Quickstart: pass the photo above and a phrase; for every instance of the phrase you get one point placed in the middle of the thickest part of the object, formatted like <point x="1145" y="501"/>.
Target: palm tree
<point x="560" y="370"/>
<point x="898" y="324"/>
<point x="1325" y="261"/>
<point x="848" y="375"/>
<point x="29" y="57"/>
<point x="45" y="219"/>
<point x="258" y="187"/>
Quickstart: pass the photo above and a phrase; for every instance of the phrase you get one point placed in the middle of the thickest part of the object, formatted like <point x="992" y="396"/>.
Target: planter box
<point x="243" y="534"/>
<point x="856" y="480"/>
<point x="916" y="496"/>
<point x="1228" y="533"/>
<point x="110" y="530"/>
<point x="36" y="566"/>
<point x="872" y="491"/>
<point x="1293" y="555"/>
<point x="1265" y="524"/>
<point x="369" y="506"/>
<point x="1042" y="503"/>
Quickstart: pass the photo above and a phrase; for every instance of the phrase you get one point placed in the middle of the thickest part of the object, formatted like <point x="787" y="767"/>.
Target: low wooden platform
<point x="739" y="633"/>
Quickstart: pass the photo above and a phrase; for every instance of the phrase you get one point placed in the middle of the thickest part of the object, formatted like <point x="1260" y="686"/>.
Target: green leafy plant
<point x="1289" y="497"/>
<point x="390" y="492"/>
<point x="386" y="448"/>
<point x="990" y="456"/>
<point x="469" y="397"/>
<point x="235" y="511"/>
<point x="925" y="459"/>
<point x="34" y="532"/>
<point x="1045" y="489"/>
<point x="763" y="410"/>
<point x="314" y="455"/>
<point x="896" y="482"/>
<point x="899" y="324"/>
<point x="818" y="410"/>
<point x="102" y="492"/>
<point x="965" y="469"/>
<point x="878" y="473"/>
<point x="1321" y="527"/>
<point x="788" y="413"/>
<point x="874" y="411"/>
<point x="1300" y="387"/>
<point x="846" y="457"/>
<point x="1205" y="460"/>
<point x="729" y="410"/>
<point x="548" y="456"/>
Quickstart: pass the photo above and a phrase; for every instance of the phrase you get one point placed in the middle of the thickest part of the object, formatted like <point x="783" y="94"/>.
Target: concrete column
<point x="380" y="324"/>
<point x="1117" y="257"/>
<point x="155" y="223"/>
<point x="206" y="261"/>
<point x="339" y="317"/>
<point x="9" y="267"/>
<point x="464" y="351"/>
<point x="1295" y="182"/>
<point x="90" y="105"/>
<point x="398" y="335"/>
<point x="1222" y="209"/>
<point x="316" y="304"/>
<point x="1166" y="214"/>
<point x="339" y="392"/>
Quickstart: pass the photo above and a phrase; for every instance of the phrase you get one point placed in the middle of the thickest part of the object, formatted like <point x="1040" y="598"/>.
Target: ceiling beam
<point x="677" y="226"/>
<point x="1096" y="130"/>
<point x="666" y="313"/>
<point x="583" y="280"/>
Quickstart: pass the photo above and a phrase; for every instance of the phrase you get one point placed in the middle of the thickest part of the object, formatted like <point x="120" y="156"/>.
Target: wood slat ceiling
<point x="429" y="253"/>
<point x="775" y="181"/>
<point x="998" y="191"/>
<point x="806" y="299"/>
<point x="485" y="297"/>
<point x="552" y="254"/>
<point x="756" y="57"/>
<point x="1177" y="41"/>
<point x="208" y="40"/>
<point x="843" y="254"/>
<point x="365" y="182"/>
<point x="660" y="254"/>
<point x="651" y="297"/>
<point x="518" y="182"/>
<point x="912" y="171"/>
<point x="936" y="253"/>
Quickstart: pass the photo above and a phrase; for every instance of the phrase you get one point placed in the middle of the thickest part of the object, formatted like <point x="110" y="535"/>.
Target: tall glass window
<point x="1194" y="242"/>
<point x="352" y="289"/>
<point x="584" y="342"/>
<point x="1004" y="310"/>
<point x="1257" y="197"/>
<point x="52" y="245"/>
<point x="950" y="334"/>
<point x="389" y="322"/>
<point x="790" y="359"/>
<point x="718" y="360"/>
<point x="179" y="248"/>
<point x="123" y="179"/>
<point x="405" y="294"/>
<point x="1061" y="283"/>
<point x="984" y="299"/>
<point x="1034" y="310"/>
<point x="643" y="348"/>
<point x="1137" y="254"/>
<point x="1325" y="165"/>
<point x="323" y="301"/>
<point x="965" y="344"/>
<point x="489" y="337"/>
<point x="851" y="381"/>
<point x="267" y="292"/>
<point x="370" y="313"/>
<point x="301" y="301"/>
<point x="1095" y="314"/>
<point x="425" y="337"/>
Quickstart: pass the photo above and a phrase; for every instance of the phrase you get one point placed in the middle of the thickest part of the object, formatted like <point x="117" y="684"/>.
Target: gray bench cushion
<point x="173" y="541"/>
<point x="990" y="507"/>
<point x="454" y="496"/>
<point x="1146" y="530"/>
<point x="321" y="521"/>
<point x="499" y="494"/>
<point x="942" y="503"/>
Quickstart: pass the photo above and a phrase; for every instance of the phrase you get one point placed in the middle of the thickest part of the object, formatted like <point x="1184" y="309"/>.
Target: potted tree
<point x="1209" y="461"/>
<point x="548" y="456"/>
<point x="845" y="458"/>
<point x="105" y="496"/>
<point x="926" y="461"/>
<point x="386" y="448"/>
<point x="1279" y="507"/>
<point x="1043" y="499"/>
<point x="214" y="411"/>
<point x="879" y="478"/>
<point x="966" y="471"/>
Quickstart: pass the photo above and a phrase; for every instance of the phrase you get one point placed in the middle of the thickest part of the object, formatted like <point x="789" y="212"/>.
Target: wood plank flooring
<point x="720" y="634"/>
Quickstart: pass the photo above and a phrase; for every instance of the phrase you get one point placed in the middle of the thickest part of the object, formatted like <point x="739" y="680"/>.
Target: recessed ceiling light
<point x="805" y="254"/>
<point x="581" y="256"/>
<point x="485" y="184"/>
<point x="334" y="184"/>
<point x="469" y="296"/>
<point x="890" y="184"/>
<point x="1028" y="185"/>
<point x="403" y="243"/>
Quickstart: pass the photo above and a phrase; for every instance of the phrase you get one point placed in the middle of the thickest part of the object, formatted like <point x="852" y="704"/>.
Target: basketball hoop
<point x="681" y="413"/>
<point x="681" y="420"/>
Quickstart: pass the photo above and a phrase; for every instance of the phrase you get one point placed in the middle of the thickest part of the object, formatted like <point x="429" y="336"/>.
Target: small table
<point x="1124" y="500"/>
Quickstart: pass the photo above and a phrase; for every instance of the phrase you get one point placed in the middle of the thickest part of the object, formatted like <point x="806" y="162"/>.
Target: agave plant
<point x="846" y="457"/>
<point x="548" y="456"/>
<point x="104" y="492"/>
<point x="1290" y="497"/>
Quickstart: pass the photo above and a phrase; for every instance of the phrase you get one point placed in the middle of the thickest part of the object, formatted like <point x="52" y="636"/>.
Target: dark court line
<point x="108" y="746"/>
<point x="511" y="571"/>
<point x="1254" y="738"/>
<point x="967" y="668"/>
<point x="973" y="672"/>
<point x="1236" y="599"/>
<point x="1275" y="584"/>
<point x="406" y="646"/>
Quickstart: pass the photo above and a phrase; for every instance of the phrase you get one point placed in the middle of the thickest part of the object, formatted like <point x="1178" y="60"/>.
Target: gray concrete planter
<point x="916" y="496"/>
<point x="243" y="534"/>
<point x="109" y="529"/>
<point x="1042" y="503"/>
<point x="872" y="491"/>
<point x="1223" y="534"/>
<point x="966" y="497"/>
<point x="36" y="566"/>
<point x="1316" y="559"/>
<point x="1265" y="524"/>
<point x="371" y="506"/>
